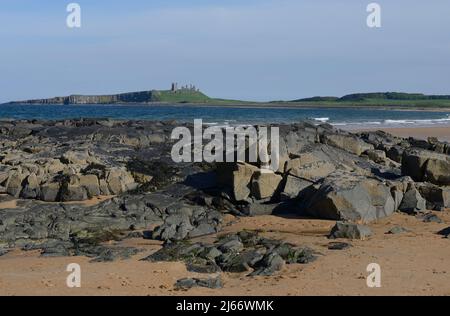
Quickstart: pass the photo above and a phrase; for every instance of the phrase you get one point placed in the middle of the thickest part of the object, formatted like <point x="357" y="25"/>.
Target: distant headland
<point x="190" y="94"/>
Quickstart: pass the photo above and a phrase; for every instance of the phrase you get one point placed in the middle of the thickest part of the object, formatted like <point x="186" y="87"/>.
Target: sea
<point x="346" y="118"/>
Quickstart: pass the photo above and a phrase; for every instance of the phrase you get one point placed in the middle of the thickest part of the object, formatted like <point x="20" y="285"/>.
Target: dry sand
<point x="414" y="263"/>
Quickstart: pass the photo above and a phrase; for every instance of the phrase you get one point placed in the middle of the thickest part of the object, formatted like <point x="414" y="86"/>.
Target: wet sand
<point x="414" y="263"/>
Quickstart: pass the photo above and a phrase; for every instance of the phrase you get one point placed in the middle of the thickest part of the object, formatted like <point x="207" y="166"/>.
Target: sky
<point x="249" y="49"/>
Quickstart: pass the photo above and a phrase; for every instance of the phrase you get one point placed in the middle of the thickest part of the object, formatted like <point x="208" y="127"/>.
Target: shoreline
<point x="441" y="133"/>
<point x="255" y="105"/>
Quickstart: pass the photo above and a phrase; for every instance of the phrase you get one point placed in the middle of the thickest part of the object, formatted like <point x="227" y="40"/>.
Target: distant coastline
<point x="259" y="105"/>
<point x="190" y="96"/>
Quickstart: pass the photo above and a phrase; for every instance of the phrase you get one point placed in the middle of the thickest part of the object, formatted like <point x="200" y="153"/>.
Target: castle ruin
<point x="189" y="87"/>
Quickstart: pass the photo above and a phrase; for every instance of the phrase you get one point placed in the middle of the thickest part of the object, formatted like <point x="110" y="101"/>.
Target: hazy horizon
<point x="260" y="50"/>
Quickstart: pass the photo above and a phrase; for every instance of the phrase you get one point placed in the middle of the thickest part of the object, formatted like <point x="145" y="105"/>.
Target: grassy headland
<point x="393" y="100"/>
<point x="381" y="99"/>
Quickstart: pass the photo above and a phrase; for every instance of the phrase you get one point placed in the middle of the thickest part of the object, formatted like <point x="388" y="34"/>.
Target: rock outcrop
<point x="425" y="165"/>
<point x="323" y="173"/>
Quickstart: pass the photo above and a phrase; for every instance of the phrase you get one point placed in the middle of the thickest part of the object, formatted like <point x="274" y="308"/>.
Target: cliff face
<point x="131" y="97"/>
<point x="179" y="96"/>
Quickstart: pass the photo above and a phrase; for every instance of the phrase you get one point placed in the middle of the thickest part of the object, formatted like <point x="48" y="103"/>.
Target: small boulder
<point x="344" y="196"/>
<point x="264" y="184"/>
<point x="294" y="186"/>
<point x="91" y="184"/>
<point x="378" y="156"/>
<point x="425" y="165"/>
<point x="339" y="246"/>
<point x="413" y="202"/>
<point x="188" y="283"/>
<point x="349" y="143"/>
<point x="445" y="232"/>
<point x="397" y="230"/>
<point x="236" y="176"/>
<point x="311" y="166"/>
<point x="350" y="231"/>
<point x="49" y="192"/>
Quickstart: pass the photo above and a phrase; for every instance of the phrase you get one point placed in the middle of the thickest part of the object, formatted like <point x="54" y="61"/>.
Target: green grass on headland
<point x="383" y="99"/>
<point x="389" y="99"/>
<point x="181" y="96"/>
<point x="190" y="96"/>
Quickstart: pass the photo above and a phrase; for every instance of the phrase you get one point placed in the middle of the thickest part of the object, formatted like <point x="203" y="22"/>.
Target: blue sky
<point x="248" y="49"/>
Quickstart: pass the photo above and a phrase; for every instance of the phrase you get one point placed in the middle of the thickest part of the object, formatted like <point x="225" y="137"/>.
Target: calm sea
<point x="342" y="117"/>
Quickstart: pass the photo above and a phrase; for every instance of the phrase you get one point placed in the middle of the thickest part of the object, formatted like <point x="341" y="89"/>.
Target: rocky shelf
<point x="324" y="173"/>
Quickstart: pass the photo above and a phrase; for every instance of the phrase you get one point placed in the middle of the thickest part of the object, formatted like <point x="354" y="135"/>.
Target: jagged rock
<point x="419" y="143"/>
<point x="413" y="202"/>
<point x="31" y="189"/>
<point x="108" y="254"/>
<point x="397" y="195"/>
<point x="259" y="208"/>
<point x="437" y="170"/>
<point x="74" y="193"/>
<point x="20" y="132"/>
<point x="437" y="198"/>
<point x="424" y="165"/>
<point x="240" y="262"/>
<point x="268" y="265"/>
<point x="141" y="178"/>
<point x="49" y="192"/>
<point x="237" y="176"/>
<point x="397" y="230"/>
<point x="445" y="232"/>
<point x="91" y="184"/>
<point x="14" y="183"/>
<point x="233" y="245"/>
<point x="119" y="181"/>
<point x="378" y="156"/>
<point x="237" y="253"/>
<point x="291" y="254"/>
<point x="350" y="231"/>
<point x="293" y="186"/>
<point x="437" y="146"/>
<point x="347" y="197"/>
<point x="78" y="157"/>
<point x="349" y="143"/>
<point x="308" y="168"/>
<point x="265" y="184"/>
<point x="395" y="153"/>
<point x="184" y="222"/>
<point x="338" y="246"/>
<point x="188" y="283"/>
<point x="54" y="166"/>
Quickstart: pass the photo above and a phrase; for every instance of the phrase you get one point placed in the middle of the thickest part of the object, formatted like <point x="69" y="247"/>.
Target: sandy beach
<point x="101" y="208"/>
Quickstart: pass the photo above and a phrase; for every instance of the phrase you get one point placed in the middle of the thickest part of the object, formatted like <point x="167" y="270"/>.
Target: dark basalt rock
<point x="413" y="202"/>
<point x="238" y="253"/>
<point x="323" y="172"/>
<point x="339" y="246"/>
<point x="350" y="231"/>
<point x="430" y="218"/>
<point x="188" y="283"/>
<point x="268" y="265"/>
<point x="445" y="232"/>
<point x="397" y="230"/>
